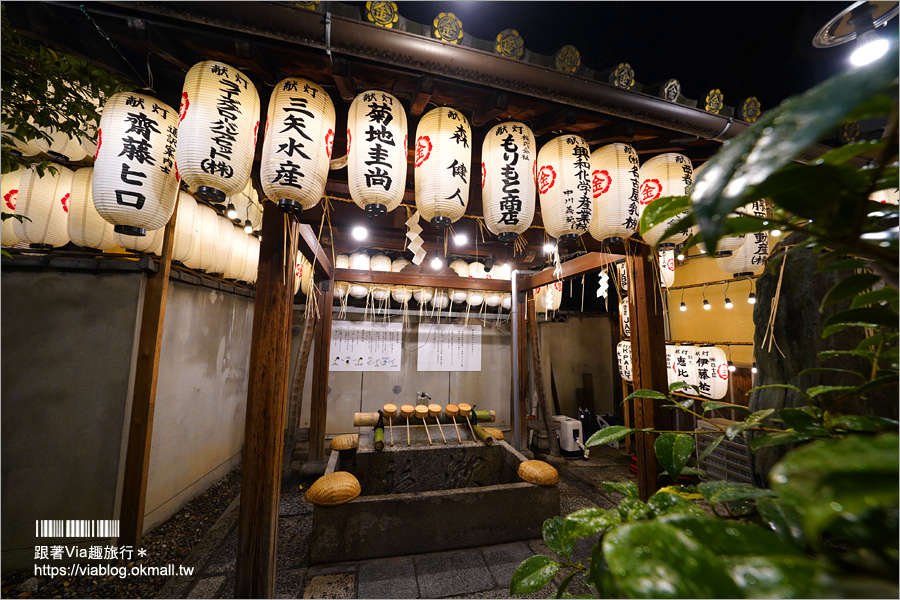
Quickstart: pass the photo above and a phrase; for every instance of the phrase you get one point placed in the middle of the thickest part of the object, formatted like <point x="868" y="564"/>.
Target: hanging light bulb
<point x="460" y="239"/>
<point x="751" y="299"/>
<point x="728" y="303"/>
<point x="359" y="233"/>
<point x="436" y="262"/>
<point x="706" y="305"/>
<point x="753" y="369"/>
<point x="683" y="307"/>
<point x="775" y="232"/>
<point x="232" y="213"/>
<point x="248" y="228"/>
<point x="731" y="367"/>
<point x="680" y="256"/>
<point x="548" y="248"/>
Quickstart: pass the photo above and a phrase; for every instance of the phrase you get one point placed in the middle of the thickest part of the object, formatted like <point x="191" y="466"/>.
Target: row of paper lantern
<point x="59" y="210"/>
<point x="703" y="366"/>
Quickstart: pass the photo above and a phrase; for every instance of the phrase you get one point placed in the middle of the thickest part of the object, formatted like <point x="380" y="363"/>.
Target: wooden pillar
<point x="140" y="430"/>
<point x="534" y="338"/>
<point x="648" y="357"/>
<point x="295" y="401"/>
<point x="319" y="404"/>
<point x="519" y="356"/>
<point x="264" y="425"/>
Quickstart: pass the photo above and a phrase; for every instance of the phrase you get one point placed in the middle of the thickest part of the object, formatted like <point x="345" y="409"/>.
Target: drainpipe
<point x="514" y="315"/>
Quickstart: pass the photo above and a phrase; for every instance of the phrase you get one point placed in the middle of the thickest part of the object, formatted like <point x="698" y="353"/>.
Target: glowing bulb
<point x="360" y="233"/>
<point x="460" y="239"/>
<point x="680" y="256"/>
<point x="248" y="228"/>
<point x="869" y="48"/>
<point x="728" y="303"/>
<point x="548" y="248"/>
<point x="731" y="366"/>
<point x="706" y="305"/>
<point x="232" y="213"/>
<point x="775" y="232"/>
<point x="683" y="307"/>
<point x="436" y="262"/>
<point x="753" y="369"/>
<point x="751" y="299"/>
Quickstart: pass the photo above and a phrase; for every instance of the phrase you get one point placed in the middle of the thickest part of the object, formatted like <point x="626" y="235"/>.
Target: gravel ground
<point x="170" y="543"/>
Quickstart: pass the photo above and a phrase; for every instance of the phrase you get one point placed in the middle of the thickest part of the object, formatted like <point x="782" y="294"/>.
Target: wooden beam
<point x="585" y="263"/>
<point x="313" y="251"/>
<point x="319" y="409"/>
<point x="648" y="359"/>
<point x="143" y="405"/>
<point x="421" y="280"/>
<point x="343" y="78"/>
<point x="422" y="96"/>
<point x="495" y="105"/>
<point x="538" y="374"/>
<point x="264" y="422"/>
<point x="560" y="119"/>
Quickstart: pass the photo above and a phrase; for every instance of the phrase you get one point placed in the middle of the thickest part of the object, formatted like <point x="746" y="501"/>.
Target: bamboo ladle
<point x="464" y="410"/>
<point x="434" y="410"/>
<point x="406" y="411"/>
<point x="389" y="411"/>
<point x="422" y="413"/>
<point x="451" y="411"/>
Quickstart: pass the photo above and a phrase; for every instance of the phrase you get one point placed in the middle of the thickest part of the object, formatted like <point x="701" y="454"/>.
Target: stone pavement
<point x="483" y="572"/>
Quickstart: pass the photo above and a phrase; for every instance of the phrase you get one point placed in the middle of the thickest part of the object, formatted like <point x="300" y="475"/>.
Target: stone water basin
<point x="429" y="498"/>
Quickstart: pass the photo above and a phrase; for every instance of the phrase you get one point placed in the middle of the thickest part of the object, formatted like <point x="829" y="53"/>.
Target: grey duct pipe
<point x="514" y="315"/>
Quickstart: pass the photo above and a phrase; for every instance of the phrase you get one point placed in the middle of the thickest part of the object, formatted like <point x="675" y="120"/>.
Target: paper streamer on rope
<point x="603" y="288"/>
<point x="415" y="240"/>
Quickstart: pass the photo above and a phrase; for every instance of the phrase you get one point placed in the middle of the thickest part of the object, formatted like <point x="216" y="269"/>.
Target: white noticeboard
<point x="365" y="346"/>
<point x="449" y="348"/>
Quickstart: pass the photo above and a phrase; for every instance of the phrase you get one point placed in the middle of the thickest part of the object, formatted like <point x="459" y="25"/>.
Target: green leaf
<point x="708" y="450"/>
<point x="555" y="537"/>
<point x="848" y="288"/>
<point x="878" y="383"/>
<point x="782" y="519"/>
<point x="599" y="575"/>
<point x="874" y="315"/>
<point x="838" y="479"/>
<point x="673" y="450"/>
<point x="589" y="521"/>
<point x="632" y="509"/>
<point x="760" y="415"/>
<point x="651" y="559"/>
<point x="777" y="438"/>
<point x="778" y="576"/>
<point x="778" y="137"/>
<point x="861" y="423"/>
<point x="777" y="386"/>
<point x="668" y="503"/>
<point x="846" y="264"/>
<point x="534" y="573"/>
<point x="628" y="489"/>
<point x="661" y="210"/>
<point x="730" y="538"/>
<point x="606" y="435"/>
<point x="709" y="405"/>
<point x="844" y="153"/>
<point x="717" y="492"/>
<point x="561" y="592"/>
<point x="803" y="421"/>
<point x="818" y="390"/>
<point x="736" y="429"/>
<point x="885" y="294"/>
<point x="652" y="394"/>
<point x="830" y="370"/>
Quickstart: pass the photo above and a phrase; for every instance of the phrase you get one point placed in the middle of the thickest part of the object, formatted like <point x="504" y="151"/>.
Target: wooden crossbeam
<point x="585" y="263"/>
<point x="421" y="280"/>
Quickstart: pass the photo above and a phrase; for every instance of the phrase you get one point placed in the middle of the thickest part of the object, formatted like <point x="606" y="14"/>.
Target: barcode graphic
<point x="77" y="528"/>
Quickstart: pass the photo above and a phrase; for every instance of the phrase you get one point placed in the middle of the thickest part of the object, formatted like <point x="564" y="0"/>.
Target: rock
<point x="29" y="585"/>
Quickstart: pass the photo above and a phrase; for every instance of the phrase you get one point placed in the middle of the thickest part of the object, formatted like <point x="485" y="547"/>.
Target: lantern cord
<point x="113" y="45"/>
<point x="770" y="327"/>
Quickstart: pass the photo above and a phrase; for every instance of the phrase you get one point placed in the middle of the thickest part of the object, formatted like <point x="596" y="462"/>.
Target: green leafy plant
<point x="827" y="525"/>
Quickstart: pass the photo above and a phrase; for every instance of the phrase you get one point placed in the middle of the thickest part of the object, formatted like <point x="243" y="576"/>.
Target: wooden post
<point x="521" y="354"/>
<point x="648" y="357"/>
<point x="534" y="338"/>
<point x="319" y="408"/>
<point x="296" y="395"/>
<point x="140" y="430"/>
<point x="626" y="416"/>
<point x="264" y="424"/>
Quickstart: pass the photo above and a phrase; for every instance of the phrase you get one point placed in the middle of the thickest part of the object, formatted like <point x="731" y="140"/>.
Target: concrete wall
<point x="365" y="392"/>
<point x="68" y="341"/>
<point x="201" y="397"/>
<point x="579" y="345"/>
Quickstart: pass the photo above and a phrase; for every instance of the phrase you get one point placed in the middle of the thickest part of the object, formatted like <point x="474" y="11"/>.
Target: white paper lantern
<point x="150" y="243"/>
<point x="501" y="273"/>
<point x="461" y="268"/>
<point x="341" y="288"/>
<point x="400" y="293"/>
<point x="380" y="262"/>
<point x="670" y="364"/>
<point x="27" y="149"/>
<point x="302" y="274"/>
<point x="443" y="156"/>
<point x="252" y="260"/>
<point x="507" y="179"/>
<point x="219" y="122"/>
<point x="712" y="371"/>
<point x="440" y="299"/>
<point x="297" y="149"/>
<point x="135" y="178"/>
<point x="44" y="200"/>
<point x="888" y="196"/>
<point x="376" y="152"/>
<point x="750" y="257"/>
<point x="623" y="276"/>
<point x="361" y="261"/>
<point x="86" y="227"/>
<point x="666" y="175"/>
<point x="423" y="295"/>
<point x="666" y="267"/>
<point x="623" y="354"/>
<point x="187" y="228"/>
<point x="615" y="185"/>
<point x="726" y="245"/>
<point x="223" y="245"/>
<point x="237" y="266"/>
<point x="685" y="366"/>
<point x="548" y="297"/>
<point x="564" y="184"/>
<point x="476" y="297"/>
<point x="625" y="319"/>
<point x="506" y="302"/>
<point x="204" y="256"/>
<point x="63" y="146"/>
<point x="9" y="189"/>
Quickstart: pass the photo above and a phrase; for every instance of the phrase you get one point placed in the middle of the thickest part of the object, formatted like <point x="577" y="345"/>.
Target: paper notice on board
<point x="365" y="346"/>
<point x="449" y="347"/>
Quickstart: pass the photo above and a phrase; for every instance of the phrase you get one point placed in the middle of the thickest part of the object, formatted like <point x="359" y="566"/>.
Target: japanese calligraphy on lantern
<point x="615" y="183"/>
<point x="376" y="164"/>
<point x="507" y="179"/>
<point x="365" y="346"/>
<point x="449" y="347"/>
<point x="443" y="155"/>
<point x="685" y="367"/>
<point x="712" y="372"/>
<point x="135" y="179"/>
<point x="297" y="147"/>
<point x="666" y="175"/>
<point x="626" y="319"/>
<point x="564" y="183"/>
<point x="623" y="354"/>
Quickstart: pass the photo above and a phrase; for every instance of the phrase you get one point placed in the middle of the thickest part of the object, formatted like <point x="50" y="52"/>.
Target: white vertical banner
<point x="449" y="347"/>
<point x="365" y="346"/>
